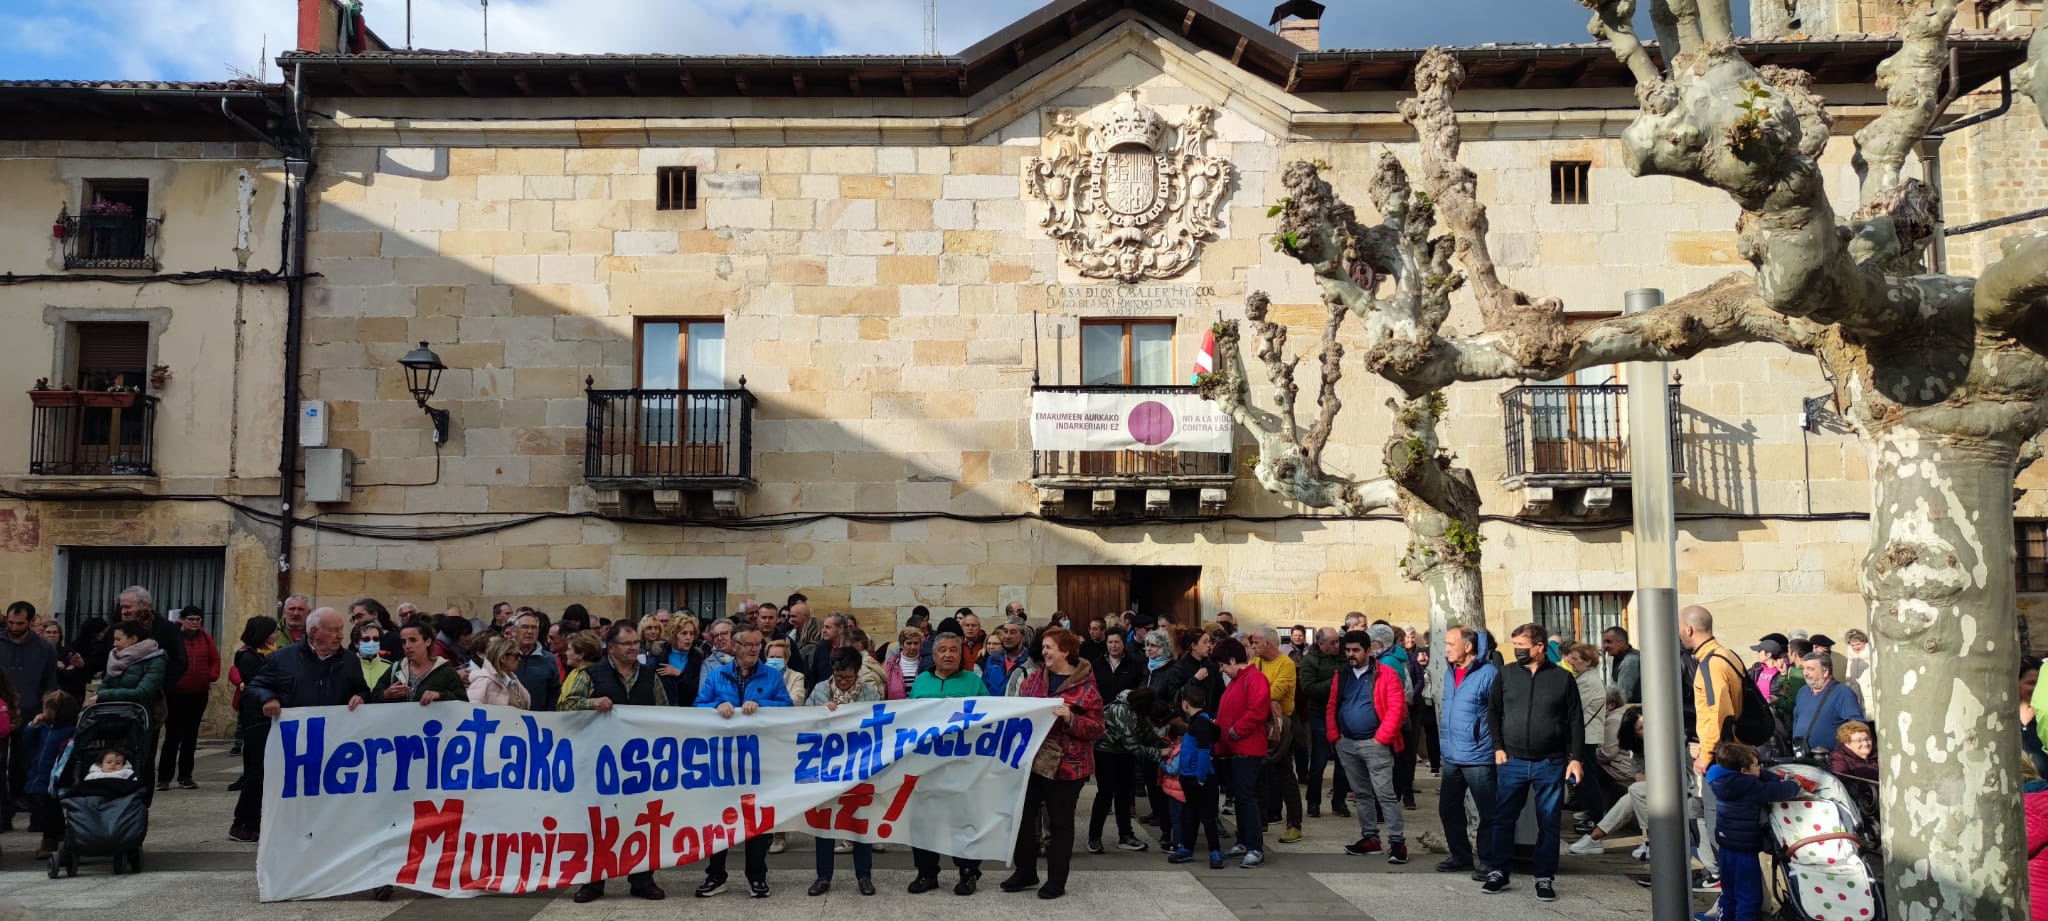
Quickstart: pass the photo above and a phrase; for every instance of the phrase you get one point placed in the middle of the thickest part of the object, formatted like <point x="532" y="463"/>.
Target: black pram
<point x="106" y="817"/>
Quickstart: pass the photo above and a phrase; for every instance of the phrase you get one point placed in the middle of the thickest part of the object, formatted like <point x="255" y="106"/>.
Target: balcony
<point x="678" y="446"/>
<point x="109" y="240"/>
<point x="92" y="433"/>
<point x="1127" y="480"/>
<point x="1572" y="439"/>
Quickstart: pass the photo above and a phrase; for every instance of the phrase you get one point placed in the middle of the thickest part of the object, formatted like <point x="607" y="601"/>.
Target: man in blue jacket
<point x="742" y="686"/>
<point x="1823" y="705"/>
<point x="1467" y="751"/>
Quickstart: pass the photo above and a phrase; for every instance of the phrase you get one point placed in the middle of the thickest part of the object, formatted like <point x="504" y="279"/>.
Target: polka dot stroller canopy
<point x="1826" y="875"/>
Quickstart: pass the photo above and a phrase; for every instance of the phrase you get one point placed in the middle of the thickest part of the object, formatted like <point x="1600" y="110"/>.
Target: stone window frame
<point x="64" y="323"/>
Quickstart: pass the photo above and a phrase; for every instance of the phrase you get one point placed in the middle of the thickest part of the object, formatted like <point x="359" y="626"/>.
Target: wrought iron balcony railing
<point x="98" y="240"/>
<point x="1574" y="433"/>
<point x="92" y="433"/>
<point x="669" y="439"/>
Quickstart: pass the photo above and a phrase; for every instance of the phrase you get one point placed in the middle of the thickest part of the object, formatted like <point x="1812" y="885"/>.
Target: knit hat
<point x="1381" y="634"/>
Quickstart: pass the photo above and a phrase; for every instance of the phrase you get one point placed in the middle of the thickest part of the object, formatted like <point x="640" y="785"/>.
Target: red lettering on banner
<point x="604" y="845"/>
<point x="430" y="824"/>
<point x="651" y="821"/>
<point x="896" y="805"/>
<point x="850" y="804"/>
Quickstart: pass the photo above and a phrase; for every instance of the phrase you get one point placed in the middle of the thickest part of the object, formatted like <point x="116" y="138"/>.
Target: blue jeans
<point x="1742" y="886"/>
<point x="1478" y="778"/>
<point x="1517" y="780"/>
<point x="863" y="859"/>
<point x="1320" y="756"/>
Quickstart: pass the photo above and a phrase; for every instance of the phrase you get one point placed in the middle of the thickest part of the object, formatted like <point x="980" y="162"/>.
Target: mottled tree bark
<point x="1944" y="376"/>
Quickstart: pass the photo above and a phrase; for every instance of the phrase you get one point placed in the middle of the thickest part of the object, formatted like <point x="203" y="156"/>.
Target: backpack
<point x="1757" y="724"/>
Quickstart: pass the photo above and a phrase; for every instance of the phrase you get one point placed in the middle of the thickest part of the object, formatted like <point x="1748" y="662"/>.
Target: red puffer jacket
<point x="1077" y="738"/>
<point x="1247" y="704"/>
<point x="1388" y="700"/>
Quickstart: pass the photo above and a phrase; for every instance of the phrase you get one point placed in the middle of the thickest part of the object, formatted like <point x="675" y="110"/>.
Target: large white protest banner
<point x="458" y="800"/>
<point x="1134" y="420"/>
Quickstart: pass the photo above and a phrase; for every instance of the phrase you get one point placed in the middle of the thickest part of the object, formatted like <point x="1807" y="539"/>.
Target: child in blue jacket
<point x="1743" y="797"/>
<point x="1195" y="767"/>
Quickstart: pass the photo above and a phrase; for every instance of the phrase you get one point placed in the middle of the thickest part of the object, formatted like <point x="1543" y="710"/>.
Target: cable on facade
<point x="437" y="533"/>
<point x="239" y="276"/>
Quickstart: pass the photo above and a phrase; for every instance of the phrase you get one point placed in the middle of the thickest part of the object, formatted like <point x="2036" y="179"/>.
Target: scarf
<point x="1156" y="663"/>
<point x="120" y="660"/>
<point x="846" y="696"/>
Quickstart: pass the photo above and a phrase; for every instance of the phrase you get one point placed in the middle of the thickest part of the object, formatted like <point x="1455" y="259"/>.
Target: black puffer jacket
<point x="1536" y="717"/>
<point x="295" y="677"/>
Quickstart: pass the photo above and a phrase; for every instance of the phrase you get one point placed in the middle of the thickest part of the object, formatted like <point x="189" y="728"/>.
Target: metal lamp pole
<point x="1656" y="530"/>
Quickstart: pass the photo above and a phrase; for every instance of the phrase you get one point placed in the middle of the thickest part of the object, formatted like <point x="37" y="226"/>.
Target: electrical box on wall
<point x="330" y="474"/>
<point x="312" y="424"/>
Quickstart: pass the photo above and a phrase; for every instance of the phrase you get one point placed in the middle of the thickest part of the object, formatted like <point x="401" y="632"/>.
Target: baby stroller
<point x="104" y="818"/>
<point x="1821" y="856"/>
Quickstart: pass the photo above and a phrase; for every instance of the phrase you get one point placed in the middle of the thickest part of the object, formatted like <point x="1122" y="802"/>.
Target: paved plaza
<point x="195" y="874"/>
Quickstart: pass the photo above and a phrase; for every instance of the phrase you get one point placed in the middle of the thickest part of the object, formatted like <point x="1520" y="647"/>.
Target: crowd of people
<point x="1221" y="733"/>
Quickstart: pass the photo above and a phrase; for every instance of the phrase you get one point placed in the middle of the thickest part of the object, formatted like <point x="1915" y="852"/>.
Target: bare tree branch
<point x="2014" y="290"/>
<point x="1616" y="22"/>
<point x="1911" y="79"/>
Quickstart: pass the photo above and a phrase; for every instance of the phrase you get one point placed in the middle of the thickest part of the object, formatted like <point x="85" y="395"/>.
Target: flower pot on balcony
<point x="53" y="398"/>
<point x="108" y="399"/>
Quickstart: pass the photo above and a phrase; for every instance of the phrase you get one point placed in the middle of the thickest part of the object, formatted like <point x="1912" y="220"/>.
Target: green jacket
<point x="1124" y="732"/>
<point x="142" y="683"/>
<point x="964" y="683"/>
<point x="442" y="677"/>
<point x="1312" y="683"/>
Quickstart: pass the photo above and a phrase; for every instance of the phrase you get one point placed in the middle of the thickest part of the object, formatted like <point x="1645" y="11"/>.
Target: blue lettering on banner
<point x="461" y="761"/>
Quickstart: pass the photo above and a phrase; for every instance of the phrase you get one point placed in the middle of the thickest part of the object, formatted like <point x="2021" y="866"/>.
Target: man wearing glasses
<point x="742" y="687"/>
<point x="616" y="680"/>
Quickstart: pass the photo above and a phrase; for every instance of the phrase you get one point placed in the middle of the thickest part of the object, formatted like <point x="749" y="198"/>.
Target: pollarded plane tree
<point x="1942" y="376"/>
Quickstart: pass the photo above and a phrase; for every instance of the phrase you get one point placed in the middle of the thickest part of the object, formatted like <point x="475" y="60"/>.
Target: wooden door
<point x="1174" y="593"/>
<point x="1085" y="591"/>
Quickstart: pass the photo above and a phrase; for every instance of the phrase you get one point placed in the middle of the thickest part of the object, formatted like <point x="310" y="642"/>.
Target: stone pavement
<point x="193" y="873"/>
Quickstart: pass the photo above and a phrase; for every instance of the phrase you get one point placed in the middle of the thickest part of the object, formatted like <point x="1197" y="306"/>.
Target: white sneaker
<point x="1586" y="846"/>
<point x="1642" y="852"/>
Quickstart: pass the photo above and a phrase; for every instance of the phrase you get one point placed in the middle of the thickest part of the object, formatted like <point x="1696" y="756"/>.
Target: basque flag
<point x="1205" y="359"/>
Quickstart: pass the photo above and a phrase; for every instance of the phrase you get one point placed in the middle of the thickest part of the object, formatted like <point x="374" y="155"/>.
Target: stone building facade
<point x="868" y="252"/>
<point x="142" y="324"/>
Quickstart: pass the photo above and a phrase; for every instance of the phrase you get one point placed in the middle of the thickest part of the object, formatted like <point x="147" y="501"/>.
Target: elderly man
<point x="1278" y="788"/>
<point x="139" y="608"/>
<point x="1015" y="611"/>
<point x="1318" y="668"/>
<point x="1823" y="705"/>
<point x="313" y="673"/>
<point x="1624" y="664"/>
<point x="799" y="618"/>
<point x="947" y="678"/>
<point x="973" y="641"/>
<point x="617" y="680"/>
<point x="1467" y="752"/>
<point x="291" y="628"/>
<point x="742" y="687"/>
<point x="538" y="672"/>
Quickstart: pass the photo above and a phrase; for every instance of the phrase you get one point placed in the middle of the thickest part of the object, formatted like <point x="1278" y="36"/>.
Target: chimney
<point x="326" y="27"/>
<point x="1300" y="22"/>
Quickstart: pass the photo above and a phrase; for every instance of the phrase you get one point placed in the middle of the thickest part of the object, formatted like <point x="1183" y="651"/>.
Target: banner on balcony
<point x="1139" y="420"/>
<point x="459" y="800"/>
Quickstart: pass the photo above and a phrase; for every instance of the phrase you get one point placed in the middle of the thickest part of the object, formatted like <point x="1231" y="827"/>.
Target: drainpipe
<point x="298" y="172"/>
<point x="1930" y="156"/>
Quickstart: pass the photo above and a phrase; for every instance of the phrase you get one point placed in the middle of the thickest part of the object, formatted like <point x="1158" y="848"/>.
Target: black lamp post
<point x="422" y="375"/>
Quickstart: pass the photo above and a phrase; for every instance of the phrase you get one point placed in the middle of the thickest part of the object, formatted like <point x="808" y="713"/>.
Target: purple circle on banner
<point x="1150" y="422"/>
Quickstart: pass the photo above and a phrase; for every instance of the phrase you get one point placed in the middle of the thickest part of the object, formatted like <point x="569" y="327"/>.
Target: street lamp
<point x="422" y="375"/>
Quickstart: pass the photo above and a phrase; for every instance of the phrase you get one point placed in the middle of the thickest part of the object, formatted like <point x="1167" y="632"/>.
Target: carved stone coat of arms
<point x="1126" y="195"/>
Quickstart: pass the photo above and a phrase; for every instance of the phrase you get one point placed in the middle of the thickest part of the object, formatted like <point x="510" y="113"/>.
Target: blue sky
<point x="206" y="39"/>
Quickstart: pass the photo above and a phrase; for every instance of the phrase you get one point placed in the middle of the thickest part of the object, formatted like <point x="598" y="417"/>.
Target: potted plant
<point x="115" y="397"/>
<point x="42" y="394"/>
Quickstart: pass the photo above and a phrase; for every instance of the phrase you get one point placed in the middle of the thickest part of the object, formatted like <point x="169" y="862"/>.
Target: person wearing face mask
<point x="368" y="640"/>
<point x="1534" y="717"/>
<point x="777" y="657"/>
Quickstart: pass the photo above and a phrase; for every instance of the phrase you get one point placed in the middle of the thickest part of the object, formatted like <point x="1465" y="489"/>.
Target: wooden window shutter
<point x="113" y="346"/>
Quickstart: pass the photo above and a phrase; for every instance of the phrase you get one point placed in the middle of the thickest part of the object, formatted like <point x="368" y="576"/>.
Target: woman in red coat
<point x="2037" y="849"/>
<point x="1077" y="724"/>
<point x="1242" y="716"/>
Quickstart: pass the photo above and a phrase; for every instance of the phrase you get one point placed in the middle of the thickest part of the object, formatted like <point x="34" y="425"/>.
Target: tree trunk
<point x="1456" y="599"/>
<point x="1939" y="581"/>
